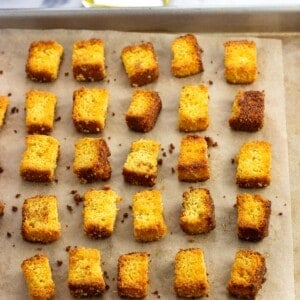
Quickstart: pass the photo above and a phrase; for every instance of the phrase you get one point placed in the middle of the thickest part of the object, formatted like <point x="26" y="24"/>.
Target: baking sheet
<point x="221" y="244"/>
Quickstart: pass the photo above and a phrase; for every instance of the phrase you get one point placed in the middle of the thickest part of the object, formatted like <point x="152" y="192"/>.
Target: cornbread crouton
<point x="198" y="211"/>
<point x="39" y="160"/>
<point x="4" y="101"/>
<point x="193" y="108"/>
<point x="247" y="274"/>
<point x="186" y="56"/>
<point x="193" y="159"/>
<point x="88" y="60"/>
<point x="133" y="278"/>
<point x="91" y="160"/>
<point x="40" y="219"/>
<point x="2" y="208"/>
<point x="140" y="167"/>
<point x="38" y="276"/>
<point x="43" y="61"/>
<point x="253" y="217"/>
<point x="85" y="277"/>
<point x="240" y="61"/>
<point x="140" y="63"/>
<point x="248" y="111"/>
<point x="89" y="109"/>
<point x="190" y="278"/>
<point x="143" y="111"/>
<point x="40" y="110"/>
<point x="148" y="219"/>
<point x="99" y="212"/>
<point x="254" y="165"/>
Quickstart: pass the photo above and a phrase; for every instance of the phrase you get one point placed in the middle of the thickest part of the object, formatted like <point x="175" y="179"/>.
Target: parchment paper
<point x="221" y="244"/>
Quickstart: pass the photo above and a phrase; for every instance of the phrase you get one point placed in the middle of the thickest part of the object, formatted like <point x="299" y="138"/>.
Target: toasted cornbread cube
<point x="85" y="274"/>
<point x="99" y="212"/>
<point x="88" y="60"/>
<point x="240" y="61"/>
<point x="40" y="219"/>
<point x="253" y="217"/>
<point x="43" y="61"/>
<point x="247" y="274"/>
<point x="91" y="160"/>
<point x="254" y="165"/>
<point x="190" y="278"/>
<point x="143" y="111"/>
<point x="148" y="219"/>
<point x="198" y="211"/>
<point x="186" y="56"/>
<point x="140" y="167"/>
<point x="140" y="63"/>
<point x="248" y="111"/>
<point x="89" y="109"/>
<point x="38" y="276"/>
<point x="39" y="161"/>
<point x="193" y="159"/>
<point x="133" y="277"/>
<point x="4" y="101"/>
<point x="40" y="110"/>
<point x="193" y="108"/>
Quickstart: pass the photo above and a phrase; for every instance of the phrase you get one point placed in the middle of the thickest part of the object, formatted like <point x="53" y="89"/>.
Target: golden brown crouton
<point x="85" y="277"/>
<point x="4" y="102"/>
<point x="89" y="109"/>
<point x="40" y="110"/>
<point x="88" y="60"/>
<point x="39" y="161"/>
<point x="186" y="56"/>
<point x="43" y="61"/>
<point x="248" y="111"/>
<point x="148" y="219"/>
<point x="253" y="217"/>
<point x="140" y="63"/>
<point x="143" y="111"/>
<point x="190" y="278"/>
<point x="133" y="278"/>
<point x="40" y="219"/>
<point x="254" y="164"/>
<point x="140" y="167"/>
<point x="240" y="61"/>
<point x="193" y="108"/>
<point x="193" y="159"/>
<point x="247" y="274"/>
<point x="99" y="212"/>
<point x="198" y="211"/>
<point x="91" y="160"/>
<point x="38" y="276"/>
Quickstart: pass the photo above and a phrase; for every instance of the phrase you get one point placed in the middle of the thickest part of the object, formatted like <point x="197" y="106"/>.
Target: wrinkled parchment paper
<point x="221" y="244"/>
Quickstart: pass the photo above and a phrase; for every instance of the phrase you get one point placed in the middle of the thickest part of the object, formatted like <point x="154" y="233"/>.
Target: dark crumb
<point x="68" y="167"/>
<point x="1" y="170"/>
<point x="211" y="62"/>
<point x="115" y="79"/>
<point x="39" y="249"/>
<point x="2" y="207"/>
<point x="113" y="279"/>
<point x="284" y="204"/>
<point x="210" y="82"/>
<point x="105" y="275"/>
<point x="15" y="131"/>
<point x="107" y="287"/>
<point x="162" y="149"/>
<point x="232" y="160"/>
<point x="156" y="293"/>
<point x="9" y="94"/>
<point x="215" y="144"/>
<point x="114" y="52"/>
<point x="2" y="52"/>
<point x="14" y="208"/>
<point x="216" y="72"/>
<point x="59" y="263"/>
<point x="125" y="216"/>
<point x="120" y="145"/>
<point x="73" y="192"/>
<point x="77" y="198"/>
<point x="171" y="148"/>
<point x="280" y="214"/>
<point x="208" y="155"/>
<point x="69" y="208"/>
<point x="106" y="66"/>
<point x="191" y="240"/>
<point x="234" y="205"/>
<point x="113" y="114"/>
<point x="57" y="119"/>
<point x="171" y="232"/>
<point x="66" y="74"/>
<point x="67" y="225"/>
<point x="108" y="81"/>
<point x="108" y="137"/>
<point x="164" y="154"/>
<point x="130" y="207"/>
<point x="106" y="187"/>
<point x="173" y="170"/>
<point x="8" y="234"/>
<point x="56" y="180"/>
<point x="160" y="161"/>
<point x="14" y="110"/>
<point x="68" y="248"/>
<point x="224" y="196"/>
<point x="1" y="72"/>
<point x="210" y="142"/>
<point x="17" y="195"/>
<point x="14" y="245"/>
